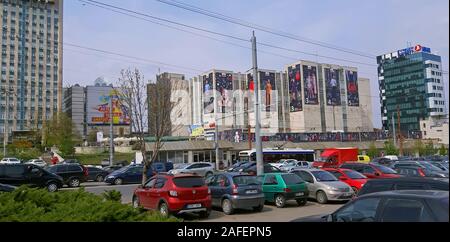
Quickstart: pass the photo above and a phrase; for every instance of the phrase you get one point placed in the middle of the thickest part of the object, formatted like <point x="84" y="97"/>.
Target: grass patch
<point x="96" y="159"/>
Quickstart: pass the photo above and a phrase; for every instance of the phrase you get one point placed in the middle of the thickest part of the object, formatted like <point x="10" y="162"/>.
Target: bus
<point x="274" y="155"/>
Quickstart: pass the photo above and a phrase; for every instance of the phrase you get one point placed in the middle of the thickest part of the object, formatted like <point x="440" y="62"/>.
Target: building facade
<point x="411" y="85"/>
<point x="31" y="49"/>
<point x="74" y="105"/>
<point x="435" y="129"/>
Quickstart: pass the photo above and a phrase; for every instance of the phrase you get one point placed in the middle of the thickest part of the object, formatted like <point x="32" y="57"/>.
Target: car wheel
<point x="280" y="201"/>
<point x="118" y="181"/>
<point x="136" y="202"/>
<point x="227" y="207"/>
<point x="74" y="182"/>
<point x="164" y="210"/>
<point x="258" y="209"/>
<point x="321" y="197"/>
<point x="205" y="214"/>
<point x="100" y="178"/>
<point x="302" y="202"/>
<point x="52" y="187"/>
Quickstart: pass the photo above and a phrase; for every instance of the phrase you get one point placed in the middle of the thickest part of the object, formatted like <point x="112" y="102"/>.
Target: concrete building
<point x="31" y="49"/>
<point x="410" y="82"/>
<point x="435" y="129"/>
<point x="74" y="105"/>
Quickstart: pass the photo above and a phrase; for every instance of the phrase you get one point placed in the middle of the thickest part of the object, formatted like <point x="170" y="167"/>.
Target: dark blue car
<point x="231" y="191"/>
<point x="131" y="174"/>
<point x="160" y="167"/>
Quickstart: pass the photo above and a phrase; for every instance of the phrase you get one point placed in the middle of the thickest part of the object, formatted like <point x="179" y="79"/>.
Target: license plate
<point x="299" y="194"/>
<point x="197" y="205"/>
<point x="251" y="191"/>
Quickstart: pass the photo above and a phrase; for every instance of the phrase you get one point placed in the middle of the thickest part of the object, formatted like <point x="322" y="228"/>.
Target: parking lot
<point x="270" y="213"/>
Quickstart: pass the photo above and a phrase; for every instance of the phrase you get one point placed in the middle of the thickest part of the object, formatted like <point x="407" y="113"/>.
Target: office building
<point x="435" y="129"/>
<point x="411" y="84"/>
<point x="31" y="49"/>
<point x="74" y="105"/>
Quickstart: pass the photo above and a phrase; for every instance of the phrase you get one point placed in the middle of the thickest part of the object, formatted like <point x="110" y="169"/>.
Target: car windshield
<point x="292" y="179"/>
<point x="385" y="170"/>
<point x="245" y="180"/>
<point x="430" y="166"/>
<point x="181" y="165"/>
<point x="189" y="182"/>
<point x="323" y="176"/>
<point x="354" y="175"/>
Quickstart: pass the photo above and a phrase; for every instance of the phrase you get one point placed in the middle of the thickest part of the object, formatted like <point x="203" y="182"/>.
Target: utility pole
<point x="249" y="127"/>
<point x="393" y="130"/>
<point x="216" y="139"/>
<point x="111" y="131"/>
<point x="259" y="153"/>
<point x="400" y="136"/>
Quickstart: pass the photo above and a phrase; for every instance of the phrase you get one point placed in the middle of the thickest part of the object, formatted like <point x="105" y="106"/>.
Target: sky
<point x="372" y="27"/>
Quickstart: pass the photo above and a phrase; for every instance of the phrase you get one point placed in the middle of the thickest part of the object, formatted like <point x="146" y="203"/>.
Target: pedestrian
<point x="54" y="160"/>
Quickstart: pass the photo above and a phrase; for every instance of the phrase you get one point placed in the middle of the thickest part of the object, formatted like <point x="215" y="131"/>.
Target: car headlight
<point x="334" y="189"/>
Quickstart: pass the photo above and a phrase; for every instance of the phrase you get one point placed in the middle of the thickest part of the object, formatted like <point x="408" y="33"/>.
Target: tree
<point x="443" y="150"/>
<point x="429" y="149"/>
<point x="389" y="148"/>
<point x="92" y="136"/>
<point x="373" y="151"/>
<point x="419" y="147"/>
<point x="58" y="132"/>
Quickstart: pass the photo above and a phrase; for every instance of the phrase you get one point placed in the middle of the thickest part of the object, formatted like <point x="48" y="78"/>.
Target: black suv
<point x="72" y="174"/>
<point x="28" y="174"/>
<point x="403" y="183"/>
<point x="96" y="174"/>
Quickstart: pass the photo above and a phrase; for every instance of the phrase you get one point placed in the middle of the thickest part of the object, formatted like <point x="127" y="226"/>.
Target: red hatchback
<point x="353" y="178"/>
<point x="174" y="194"/>
<point x="372" y="171"/>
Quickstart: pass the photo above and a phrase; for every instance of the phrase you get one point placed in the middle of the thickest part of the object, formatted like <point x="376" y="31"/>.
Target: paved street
<point x="270" y="213"/>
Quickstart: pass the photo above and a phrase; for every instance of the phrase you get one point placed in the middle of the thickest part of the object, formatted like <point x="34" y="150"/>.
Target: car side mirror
<point x="377" y="174"/>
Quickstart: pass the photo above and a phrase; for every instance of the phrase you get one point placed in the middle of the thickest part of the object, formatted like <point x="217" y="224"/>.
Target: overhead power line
<point x="244" y="23"/>
<point x="133" y="14"/>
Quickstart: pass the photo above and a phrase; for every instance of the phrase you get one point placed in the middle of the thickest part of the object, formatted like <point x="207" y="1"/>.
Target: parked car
<point x="391" y="206"/>
<point x="284" y="162"/>
<point x="403" y="183"/>
<point x="236" y="165"/>
<point x="174" y="194"/>
<point x="231" y="191"/>
<point x="251" y="169"/>
<point x="281" y="187"/>
<point x="383" y="161"/>
<point x="441" y="165"/>
<point x="353" y="178"/>
<point x="72" y="174"/>
<point x="28" y="174"/>
<point x="372" y="171"/>
<point x="364" y="159"/>
<point x="415" y="171"/>
<point x="324" y="187"/>
<point x="110" y="169"/>
<point x="200" y="168"/>
<point x="37" y="162"/>
<point x="162" y="166"/>
<point x="7" y="188"/>
<point x="426" y="168"/>
<point x="9" y="161"/>
<point x="71" y="161"/>
<point x="131" y="174"/>
<point x="96" y="174"/>
<point x="289" y="165"/>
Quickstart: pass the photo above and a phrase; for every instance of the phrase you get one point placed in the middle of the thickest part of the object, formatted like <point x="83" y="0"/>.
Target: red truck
<point x="335" y="157"/>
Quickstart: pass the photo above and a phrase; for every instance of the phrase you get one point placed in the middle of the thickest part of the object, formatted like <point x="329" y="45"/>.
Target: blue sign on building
<point x="412" y="50"/>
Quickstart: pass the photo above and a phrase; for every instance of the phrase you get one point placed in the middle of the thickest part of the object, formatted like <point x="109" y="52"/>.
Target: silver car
<point x="291" y="164"/>
<point x="37" y="162"/>
<point x="200" y="168"/>
<point x="324" y="187"/>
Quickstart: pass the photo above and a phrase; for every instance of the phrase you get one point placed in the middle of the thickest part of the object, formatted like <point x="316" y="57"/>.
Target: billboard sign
<point x="295" y="89"/>
<point x="224" y="88"/>
<point x="196" y="130"/>
<point x="267" y="85"/>
<point x="332" y="87"/>
<point x="98" y="107"/>
<point x="310" y="84"/>
<point x="208" y="94"/>
<point x="412" y="50"/>
<point x="352" y="88"/>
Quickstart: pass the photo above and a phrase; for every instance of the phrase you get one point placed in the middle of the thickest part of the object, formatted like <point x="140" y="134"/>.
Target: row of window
<point x="435" y="80"/>
<point x="439" y="102"/>
<point x="434" y="94"/>
<point x="439" y="110"/>
<point x="436" y="73"/>
<point x="432" y="66"/>
<point x="438" y="88"/>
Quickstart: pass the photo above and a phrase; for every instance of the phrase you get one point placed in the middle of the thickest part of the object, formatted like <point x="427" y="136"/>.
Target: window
<point x="14" y="171"/>
<point x="292" y="179"/>
<point x="222" y="181"/>
<point x="188" y="182"/>
<point x="160" y="182"/>
<point x="305" y="176"/>
<point x="368" y="170"/>
<point x="336" y="174"/>
<point x="150" y="183"/>
<point x="61" y="169"/>
<point x="270" y="180"/>
<point x="405" y="210"/>
<point x="363" y="210"/>
<point x="74" y="168"/>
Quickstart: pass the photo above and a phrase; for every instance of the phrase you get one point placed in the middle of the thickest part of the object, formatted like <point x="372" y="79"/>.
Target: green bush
<point x="38" y="205"/>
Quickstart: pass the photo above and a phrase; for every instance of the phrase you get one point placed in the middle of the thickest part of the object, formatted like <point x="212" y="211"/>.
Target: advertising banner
<point x="352" y="88"/>
<point x="98" y="107"/>
<point x="196" y="130"/>
<point x="224" y="88"/>
<point x="267" y="85"/>
<point x="208" y="94"/>
<point x="332" y="87"/>
<point x="310" y="84"/>
<point x="295" y="89"/>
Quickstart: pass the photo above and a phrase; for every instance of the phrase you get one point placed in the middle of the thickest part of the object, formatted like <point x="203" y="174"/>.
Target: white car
<point x="200" y="168"/>
<point x="285" y="163"/>
<point x="37" y="162"/>
<point x="10" y="161"/>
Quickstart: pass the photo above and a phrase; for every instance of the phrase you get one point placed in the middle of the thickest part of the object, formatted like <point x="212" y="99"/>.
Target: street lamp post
<point x="6" y="92"/>
<point x="111" y="131"/>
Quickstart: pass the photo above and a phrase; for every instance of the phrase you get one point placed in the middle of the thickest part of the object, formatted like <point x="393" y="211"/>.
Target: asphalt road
<point x="270" y="213"/>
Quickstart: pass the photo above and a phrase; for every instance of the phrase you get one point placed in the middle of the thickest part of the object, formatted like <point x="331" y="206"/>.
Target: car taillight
<point x="421" y="172"/>
<point x="85" y="170"/>
<point x="173" y="193"/>
<point x="287" y="190"/>
<point x="235" y="189"/>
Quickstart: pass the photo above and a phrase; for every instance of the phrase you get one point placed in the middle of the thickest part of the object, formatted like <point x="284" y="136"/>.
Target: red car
<point x="353" y="178"/>
<point x="372" y="171"/>
<point x="174" y="194"/>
